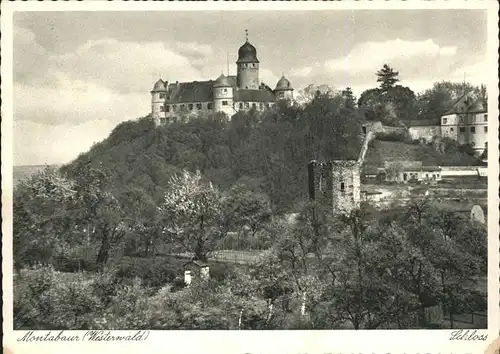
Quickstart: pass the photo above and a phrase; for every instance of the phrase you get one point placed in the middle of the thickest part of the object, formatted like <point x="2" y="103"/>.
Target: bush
<point x="154" y="271"/>
<point x="46" y="299"/>
<point x="31" y="305"/>
<point x="73" y="305"/>
<point x="394" y="136"/>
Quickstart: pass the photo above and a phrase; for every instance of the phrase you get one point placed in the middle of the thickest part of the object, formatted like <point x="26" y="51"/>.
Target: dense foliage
<point x="103" y="242"/>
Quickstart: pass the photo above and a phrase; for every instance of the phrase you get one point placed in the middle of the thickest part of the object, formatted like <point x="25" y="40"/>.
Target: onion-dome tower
<point x="158" y="95"/>
<point x="247" y="67"/>
<point x="223" y="95"/>
<point x="284" y="89"/>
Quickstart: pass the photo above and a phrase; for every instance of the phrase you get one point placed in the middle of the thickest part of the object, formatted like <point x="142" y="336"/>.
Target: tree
<point x="394" y="171"/>
<point x="98" y="211"/>
<point x="191" y="214"/>
<point x="350" y="100"/>
<point x="312" y="91"/>
<point x="246" y="211"/>
<point x="387" y="77"/>
<point x="434" y="102"/>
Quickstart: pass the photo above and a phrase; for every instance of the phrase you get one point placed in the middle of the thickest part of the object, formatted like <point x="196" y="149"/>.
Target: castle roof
<point x="247" y="54"/>
<point x="222" y="81"/>
<point x="159" y="86"/>
<point x="202" y="91"/>
<point x="195" y="91"/>
<point x="263" y="95"/>
<point x="284" y="84"/>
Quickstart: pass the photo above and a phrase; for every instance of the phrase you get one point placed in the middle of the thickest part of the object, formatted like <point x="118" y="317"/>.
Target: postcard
<point x="250" y="177"/>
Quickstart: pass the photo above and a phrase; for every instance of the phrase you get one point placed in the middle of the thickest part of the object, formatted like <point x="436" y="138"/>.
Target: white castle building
<point x="227" y="94"/>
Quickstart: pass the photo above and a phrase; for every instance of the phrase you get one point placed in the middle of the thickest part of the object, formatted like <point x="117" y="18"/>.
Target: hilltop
<point x="267" y="151"/>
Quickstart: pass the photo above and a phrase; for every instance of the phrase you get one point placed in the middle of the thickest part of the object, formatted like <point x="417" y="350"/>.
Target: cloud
<point x="75" y="102"/>
<point x="124" y="66"/>
<point x="370" y="56"/>
<point x="193" y="49"/>
<point x="268" y="77"/>
<point x="36" y="143"/>
<point x="301" y="72"/>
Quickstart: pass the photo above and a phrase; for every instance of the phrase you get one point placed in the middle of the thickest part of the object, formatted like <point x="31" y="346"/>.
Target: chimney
<point x="187" y="277"/>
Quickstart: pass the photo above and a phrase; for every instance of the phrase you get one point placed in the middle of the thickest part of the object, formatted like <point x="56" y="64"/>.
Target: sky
<point x="78" y="74"/>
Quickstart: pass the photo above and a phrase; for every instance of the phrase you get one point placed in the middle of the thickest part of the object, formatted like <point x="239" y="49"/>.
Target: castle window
<point x="281" y="95"/>
<point x="461" y="119"/>
<point x="174" y="107"/>
<point x="462" y="129"/>
<point x="261" y="106"/>
<point x="167" y="108"/>
<point x="162" y="95"/>
<point x="485" y="129"/>
<point x="445" y="120"/>
<point x="253" y="65"/>
<point x="247" y="105"/>
<point x="209" y="106"/>
<point x="342" y="186"/>
<point x="162" y="108"/>
<point x="198" y="106"/>
<point x="224" y="103"/>
<point x="268" y="105"/>
<point x="254" y="105"/>
<point x="225" y="90"/>
<point x="486" y="117"/>
<point x="473" y="130"/>
<point x="241" y="105"/>
<point x="451" y="129"/>
<point x="183" y="106"/>
<point x="190" y="106"/>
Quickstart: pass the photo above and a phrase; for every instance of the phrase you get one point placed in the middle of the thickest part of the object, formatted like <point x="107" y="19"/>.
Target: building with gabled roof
<point x="467" y="123"/>
<point x="228" y="94"/>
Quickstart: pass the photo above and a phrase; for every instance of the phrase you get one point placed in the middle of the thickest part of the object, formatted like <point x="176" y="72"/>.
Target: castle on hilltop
<point x="227" y="94"/>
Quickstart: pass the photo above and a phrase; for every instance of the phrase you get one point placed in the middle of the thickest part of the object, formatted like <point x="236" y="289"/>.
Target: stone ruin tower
<point x="337" y="183"/>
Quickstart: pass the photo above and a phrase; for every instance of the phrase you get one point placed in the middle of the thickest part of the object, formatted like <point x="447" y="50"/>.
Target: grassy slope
<point x="380" y="151"/>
